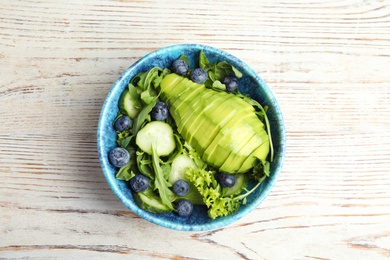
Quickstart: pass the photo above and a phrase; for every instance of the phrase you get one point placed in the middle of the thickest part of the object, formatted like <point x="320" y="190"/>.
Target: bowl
<point x="250" y="83"/>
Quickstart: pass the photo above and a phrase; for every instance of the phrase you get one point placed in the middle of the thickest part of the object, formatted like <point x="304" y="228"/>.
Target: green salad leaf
<point x="143" y="117"/>
<point x="217" y="204"/>
<point x="217" y="72"/>
<point x="161" y="184"/>
<point x="184" y="57"/>
<point x="125" y="173"/>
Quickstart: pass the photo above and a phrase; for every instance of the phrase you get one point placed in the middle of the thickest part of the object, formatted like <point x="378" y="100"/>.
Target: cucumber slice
<point x="179" y="166"/>
<point x="148" y="201"/>
<point x="238" y="187"/>
<point x="129" y="105"/>
<point x="158" y="133"/>
<point x="178" y="170"/>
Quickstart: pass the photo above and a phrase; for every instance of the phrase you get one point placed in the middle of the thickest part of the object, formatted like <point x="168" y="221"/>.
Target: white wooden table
<point x="327" y="62"/>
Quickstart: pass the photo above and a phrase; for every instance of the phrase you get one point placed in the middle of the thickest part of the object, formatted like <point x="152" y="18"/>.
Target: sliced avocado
<point x="188" y="87"/>
<point x="205" y="128"/>
<point x="192" y="111"/>
<point x="168" y="84"/>
<point x="225" y="141"/>
<point x="204" y="118"/>
<point x="175" y="94"/>
<point x="260" y="153"/>
<point x="218" y="117"/>
<point x="235" y="160"/>
<point x="177" y="105"/>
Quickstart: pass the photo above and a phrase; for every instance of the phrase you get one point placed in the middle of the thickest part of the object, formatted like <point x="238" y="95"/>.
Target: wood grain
<point x="327" y="62"/>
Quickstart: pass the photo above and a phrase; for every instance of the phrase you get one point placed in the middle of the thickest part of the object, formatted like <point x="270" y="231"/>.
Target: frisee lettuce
<point x="212" y="192"/>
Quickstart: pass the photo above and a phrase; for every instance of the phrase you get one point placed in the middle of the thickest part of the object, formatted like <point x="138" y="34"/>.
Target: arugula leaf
<point x="217" y="72"/>
<point x="204" y="62"/>
<point x="184" y="57"/>
<point x="224" y="69"/>
<point x="142" y="117"/>
<point x="134" y="96"/>
<point x="147" y="82"/>
<point x="161" y="184"/>
<point x="218" y="86"/>
<point x="125" y="173"/>
<point x="261" y="170"/>
<point x="144" y="164"/>
<point x="178" y="149"/>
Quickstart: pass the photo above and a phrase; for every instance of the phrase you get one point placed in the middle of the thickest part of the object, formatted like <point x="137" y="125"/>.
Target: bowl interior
<point x="250" y="84"/>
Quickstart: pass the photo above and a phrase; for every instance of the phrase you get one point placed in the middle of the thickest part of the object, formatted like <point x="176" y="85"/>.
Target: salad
<point x="187" y="136"/>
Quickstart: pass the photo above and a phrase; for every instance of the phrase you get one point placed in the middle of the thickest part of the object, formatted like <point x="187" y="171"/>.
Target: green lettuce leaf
<point x="218" y="205"/>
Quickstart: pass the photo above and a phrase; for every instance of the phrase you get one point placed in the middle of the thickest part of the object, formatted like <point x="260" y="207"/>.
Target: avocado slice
<point x="188" y="88"/>
<point x="205" y="128"/>
<point x="217" y="152"/>
<point x="238" y="158"/>
<point x="186" y="111"/>
<point x="183" y="100"/>
<point x="168" y="85"/>
<point x="260" y="153"/>
<point x="191" y="111"/>
<point x="172" y="99"/>
<point x="249" y="144"/>
<point x="205" y="118"/>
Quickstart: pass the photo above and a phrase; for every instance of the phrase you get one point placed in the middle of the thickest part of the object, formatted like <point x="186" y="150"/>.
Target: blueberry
<point x="139" y="183"/>
<point x="184" y="208"/>
<point x="180" y="67"/>
<point x="160" y="111"/>
<point x="119" y="157"/>
<point x="181" y="188"/>
<point x="226" y="180"/>
<point x="198" y="75"/>
<point x="122" y="123"/>
<point x="231" y="83"/>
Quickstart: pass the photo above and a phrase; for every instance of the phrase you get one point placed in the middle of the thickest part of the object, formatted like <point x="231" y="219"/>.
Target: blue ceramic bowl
<point x="250" y="83"/>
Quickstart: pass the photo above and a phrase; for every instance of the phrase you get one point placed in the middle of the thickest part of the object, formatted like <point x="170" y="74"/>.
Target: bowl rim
<point x="153" y="218"/>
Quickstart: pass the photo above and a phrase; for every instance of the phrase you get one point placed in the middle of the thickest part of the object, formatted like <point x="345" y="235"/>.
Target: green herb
<point x="212" y="193"/>
<point x="143" y="117"/>
<point x="161" y="184"/>
<point x="144" y="164"/>
<point x="128" y="171"/>
<point x="125" y="173"/>
<point x="184" y="57"/>
<point x="217" y="71"/>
